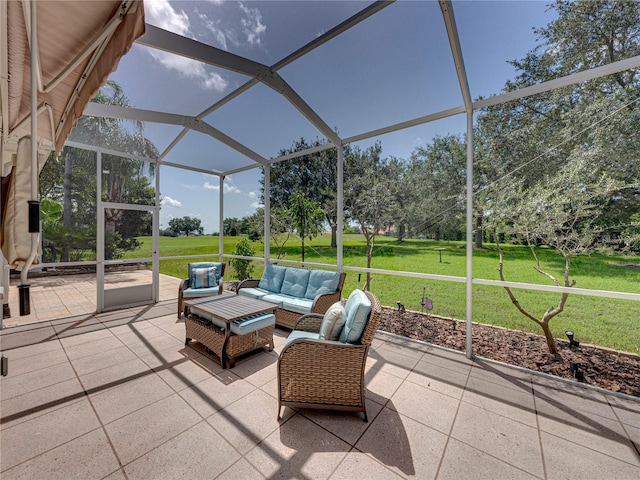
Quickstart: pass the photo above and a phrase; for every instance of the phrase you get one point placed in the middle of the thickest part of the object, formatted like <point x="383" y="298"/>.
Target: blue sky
<point x="393" y="67"/>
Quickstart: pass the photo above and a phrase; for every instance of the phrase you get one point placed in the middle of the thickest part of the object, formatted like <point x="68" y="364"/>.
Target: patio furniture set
<point x="322" y="362"/>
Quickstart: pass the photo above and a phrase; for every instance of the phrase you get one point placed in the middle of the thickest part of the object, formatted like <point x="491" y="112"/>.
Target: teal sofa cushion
<point x="273" y="298"/>
<point x="298" y="305"/>
<point x="333" y="322"/>
<point x="272" y="278"/>
<point x="256" y="293"/>
<point x="252" y="324"/>
<point x="321" y="281"/>
<point x="295" y="282"/>
<point x="296" y="334"/>
<point x="357" y="310"/>
<point x="218" y="266"/>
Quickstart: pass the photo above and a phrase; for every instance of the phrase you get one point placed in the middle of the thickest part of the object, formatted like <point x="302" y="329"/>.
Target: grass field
<point x="606" y="322"/>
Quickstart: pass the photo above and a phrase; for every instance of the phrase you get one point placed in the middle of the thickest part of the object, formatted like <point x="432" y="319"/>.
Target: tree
<point x="306" y="216"/>
<point x="560" y="213"/>
<point x="243" y="266"/>
<point x="560" y="168"/>
<point x="186" y="225"/>
<point x="315" y="174"/>
<point x="370" y="191"/>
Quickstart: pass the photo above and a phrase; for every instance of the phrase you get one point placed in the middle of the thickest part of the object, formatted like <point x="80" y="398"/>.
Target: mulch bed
<point x="605" y="369"/>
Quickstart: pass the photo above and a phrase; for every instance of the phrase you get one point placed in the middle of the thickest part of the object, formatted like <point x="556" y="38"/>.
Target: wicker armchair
<point x="325" y="374"/>
<point x="184" y="285"/>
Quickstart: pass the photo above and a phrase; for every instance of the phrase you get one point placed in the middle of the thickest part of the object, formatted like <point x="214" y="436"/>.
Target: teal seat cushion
<point x="296" y="334"/>
<point x="252" y="324"/>
<point x="256" y="293"/>
<point x="321" y="281"/>
<point x="295" y="282"/>
<point x="298" y="305"/>
<point x="200" y="292"/>
<point x="216" y="321"/>
<point x="272" y="278"/>
<point x="357" y="310"/>
<point x="333" y="322"/>
<point x="218" y="266"/>
<point x="273" y="298"/>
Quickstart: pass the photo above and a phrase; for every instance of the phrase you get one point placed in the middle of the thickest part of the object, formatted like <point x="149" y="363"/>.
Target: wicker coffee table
<point x="212" y="321"/>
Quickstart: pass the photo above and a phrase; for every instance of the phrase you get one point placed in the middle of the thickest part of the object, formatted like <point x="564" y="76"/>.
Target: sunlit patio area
<point x="118" y="395"/>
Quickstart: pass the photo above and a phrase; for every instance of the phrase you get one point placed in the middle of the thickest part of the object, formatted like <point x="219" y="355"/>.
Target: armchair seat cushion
<point x="200" y="292"/>
<point x="297" y="334"/>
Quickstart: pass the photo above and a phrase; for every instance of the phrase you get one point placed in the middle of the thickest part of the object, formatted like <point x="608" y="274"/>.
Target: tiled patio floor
<point x="119" y="396"/>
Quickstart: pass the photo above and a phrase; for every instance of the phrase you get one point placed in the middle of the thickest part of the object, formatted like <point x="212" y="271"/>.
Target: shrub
<point x="242" y="267"/>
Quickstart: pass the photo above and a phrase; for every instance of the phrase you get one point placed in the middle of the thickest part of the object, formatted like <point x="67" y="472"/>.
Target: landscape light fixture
<point x="572" y="342"/>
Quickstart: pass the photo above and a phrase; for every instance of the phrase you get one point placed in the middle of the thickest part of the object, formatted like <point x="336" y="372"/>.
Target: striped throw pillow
<point x="203" y="277"/>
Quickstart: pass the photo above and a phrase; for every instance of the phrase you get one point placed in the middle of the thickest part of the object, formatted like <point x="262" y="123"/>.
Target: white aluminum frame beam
<point x="191" y="123"/>
<point x="176" y="44"/>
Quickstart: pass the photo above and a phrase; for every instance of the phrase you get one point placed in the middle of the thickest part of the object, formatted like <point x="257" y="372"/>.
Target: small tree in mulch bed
<point x="559" y="212"/>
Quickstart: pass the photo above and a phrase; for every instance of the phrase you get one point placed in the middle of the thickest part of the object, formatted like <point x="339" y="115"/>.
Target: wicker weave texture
<point x="327" y="375"/>
<point x="323" y="373"/>
<point x="212" y="337"/>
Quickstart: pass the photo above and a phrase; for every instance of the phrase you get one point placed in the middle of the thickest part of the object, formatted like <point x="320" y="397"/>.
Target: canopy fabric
<point x="78" y="45"/>
<point x="89" y="37"/>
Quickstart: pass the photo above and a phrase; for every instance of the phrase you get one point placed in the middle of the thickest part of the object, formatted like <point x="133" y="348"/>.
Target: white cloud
<point x="252" y="25"/>
<point x="163" y="15"/>
<point x="219" y="36"/>
<point x="257" y="205"/>
<point x="228" y="187"/>
<point x="170" y="202"/>
<point x="252" y="194"/>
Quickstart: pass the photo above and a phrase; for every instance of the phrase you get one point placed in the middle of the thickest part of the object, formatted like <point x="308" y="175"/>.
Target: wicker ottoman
<point x="226" y="344"/>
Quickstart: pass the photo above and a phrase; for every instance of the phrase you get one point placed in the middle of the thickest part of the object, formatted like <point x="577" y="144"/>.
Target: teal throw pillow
<point x="332" y="323"/>
<point x="203" y="277"/>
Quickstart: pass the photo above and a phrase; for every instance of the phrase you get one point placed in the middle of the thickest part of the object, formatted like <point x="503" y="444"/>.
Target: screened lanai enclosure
<point x="437" y="137"/>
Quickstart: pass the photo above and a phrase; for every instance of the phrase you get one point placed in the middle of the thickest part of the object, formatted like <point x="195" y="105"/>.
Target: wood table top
<point x="230" y="307"/>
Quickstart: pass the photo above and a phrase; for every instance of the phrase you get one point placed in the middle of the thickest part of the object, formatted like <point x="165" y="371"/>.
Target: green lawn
<point x="606" y="322"/>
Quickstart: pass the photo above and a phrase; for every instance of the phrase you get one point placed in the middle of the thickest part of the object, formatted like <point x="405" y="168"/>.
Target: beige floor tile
<point x="29" y="350"/>
<point x="594" y="432"/>
<point x="197" y="453"/>
<point x="32" y="438"/>
<point x="380" y="386"/>
<point x="298" y="449"/>
<point x="215" y="393"/>
<point x="109" y="377"/>
<point x="145" y="429"/>
<point x="502" y="375"/>
<point x="391" y="361"/>
<point x="627" y="410"/>
<point x="439" y="379"/>
<point x="552" y="396"/>
<point x="506" y="439"/>
<point x="40" y="402"/>
<point x="36" y="362"/>
<point x="129" y="397"/>
<point x="102" y="359"/>
<point x="426" y="406"/>
<point x="248" y="421"/>
<point x="508" y="402"/>
<point x="87" y="457"/>
<point x="405" y="446"/>
<point x="241" y="470"/>
<point x="359" y="466"/>
<point x="568" y="460"/>
<point x="15" y="385"/>
<point x="91" y="348"/>
<point x="349" y="426"/>
<point x="461" y="461"/>
<point x="258" y="368"/>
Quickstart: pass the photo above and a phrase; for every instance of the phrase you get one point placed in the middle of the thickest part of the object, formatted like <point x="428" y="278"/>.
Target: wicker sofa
<point x="295" y="291"/>
<point x="314" y="372"/>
